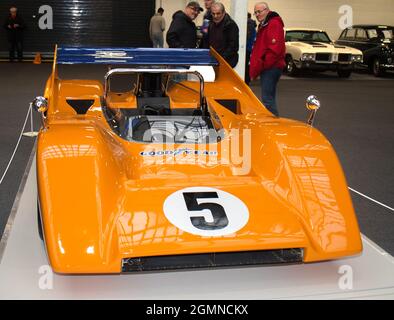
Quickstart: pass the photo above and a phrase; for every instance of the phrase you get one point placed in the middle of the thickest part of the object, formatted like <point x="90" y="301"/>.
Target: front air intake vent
<point x="323" y="57"/>
<point x="344" y="57"/>
<point x="212" y="260"/>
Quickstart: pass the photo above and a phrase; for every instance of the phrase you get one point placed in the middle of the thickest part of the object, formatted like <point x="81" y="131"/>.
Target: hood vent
<point x="318" y="45"/>
<point x="80" y="106"/>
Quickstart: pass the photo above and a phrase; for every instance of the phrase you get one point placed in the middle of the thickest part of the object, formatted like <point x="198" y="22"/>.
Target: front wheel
<point x="377" y="68"/>
<point x="290" y="68"/>
<point x="344" y="73"/>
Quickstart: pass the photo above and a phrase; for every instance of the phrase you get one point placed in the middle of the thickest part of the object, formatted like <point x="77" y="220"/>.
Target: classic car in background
<point x="375" y="41"/>
<point x="144" y="180"/>
<point x="312" y="49"/>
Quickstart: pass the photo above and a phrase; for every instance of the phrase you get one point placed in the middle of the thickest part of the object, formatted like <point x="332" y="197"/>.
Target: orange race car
<point x="184" y="169"/>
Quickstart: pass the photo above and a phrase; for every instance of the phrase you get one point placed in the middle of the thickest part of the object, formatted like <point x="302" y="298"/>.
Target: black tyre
<point x="40" y="233"/>
<point x="344" y="73"/>
<point x="291" y="68"/>
<point x="377" y="68"/>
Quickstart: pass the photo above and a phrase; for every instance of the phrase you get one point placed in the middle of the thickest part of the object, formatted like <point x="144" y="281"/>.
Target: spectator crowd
<point x="265" y="47"/>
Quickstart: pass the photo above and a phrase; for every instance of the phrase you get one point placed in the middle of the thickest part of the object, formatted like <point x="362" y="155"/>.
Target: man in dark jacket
<point x="14" y="25"/>
<point x="208" y="4"/>
<point x="268" y="55"/>
<point x="207" y="18"/>
<point x="183" y="32"/>
<point x="223" y="34"/>
<point x="250" y="38"/>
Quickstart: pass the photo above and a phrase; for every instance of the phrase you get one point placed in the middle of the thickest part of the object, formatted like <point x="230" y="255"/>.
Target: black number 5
<point x="220" y="220"/>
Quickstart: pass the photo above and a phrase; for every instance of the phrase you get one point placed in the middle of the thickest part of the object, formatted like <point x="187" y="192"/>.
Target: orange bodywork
<point x="101" y="202"/>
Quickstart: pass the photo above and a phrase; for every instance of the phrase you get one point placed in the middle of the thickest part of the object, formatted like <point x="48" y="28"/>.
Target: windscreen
<point x="307" y="36"/>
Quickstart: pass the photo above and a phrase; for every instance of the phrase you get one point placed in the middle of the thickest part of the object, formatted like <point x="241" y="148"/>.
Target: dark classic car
<point x="375" y="41"/>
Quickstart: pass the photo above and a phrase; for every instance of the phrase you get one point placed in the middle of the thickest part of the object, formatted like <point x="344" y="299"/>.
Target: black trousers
<point x="247" y="60"/>
<point x="16" y="45"/>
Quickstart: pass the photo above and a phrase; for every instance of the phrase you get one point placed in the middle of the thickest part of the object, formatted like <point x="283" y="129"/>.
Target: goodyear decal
<point x="176" y="152"/>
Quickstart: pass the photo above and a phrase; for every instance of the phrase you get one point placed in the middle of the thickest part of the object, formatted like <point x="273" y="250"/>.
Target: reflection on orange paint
<point x="105" y="203"/>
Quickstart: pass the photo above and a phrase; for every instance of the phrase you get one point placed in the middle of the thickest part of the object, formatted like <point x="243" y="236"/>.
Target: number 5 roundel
<point x="206" y="211"/>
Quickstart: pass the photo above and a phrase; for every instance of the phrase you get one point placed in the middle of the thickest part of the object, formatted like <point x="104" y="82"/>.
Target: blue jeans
<point x="269" y="80"/>
<point x="158" y="40"/>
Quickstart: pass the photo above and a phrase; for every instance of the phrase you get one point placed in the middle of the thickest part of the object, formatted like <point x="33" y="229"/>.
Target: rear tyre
<point x="377" y="68"/>
<point x="291" y="68"/>
<point x="40" y="233"/>
<point x="344" y="73"/>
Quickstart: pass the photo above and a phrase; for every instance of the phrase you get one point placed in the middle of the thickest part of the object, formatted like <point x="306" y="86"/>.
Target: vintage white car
<point x="313" y="49"/>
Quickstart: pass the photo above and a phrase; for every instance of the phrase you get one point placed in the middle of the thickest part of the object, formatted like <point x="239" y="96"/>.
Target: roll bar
<point x="165" y="71"/>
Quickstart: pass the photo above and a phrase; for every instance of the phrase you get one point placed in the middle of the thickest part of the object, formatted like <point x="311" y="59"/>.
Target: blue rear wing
<point x="136" y="56"/>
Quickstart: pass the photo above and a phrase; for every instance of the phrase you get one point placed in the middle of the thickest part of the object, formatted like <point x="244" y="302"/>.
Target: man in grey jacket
<point x="156" y="28"/>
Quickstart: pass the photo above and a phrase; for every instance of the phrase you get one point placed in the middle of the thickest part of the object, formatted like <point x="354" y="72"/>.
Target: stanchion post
<point x="32" y="133"/>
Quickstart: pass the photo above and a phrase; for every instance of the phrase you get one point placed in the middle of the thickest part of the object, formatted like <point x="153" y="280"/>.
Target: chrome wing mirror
<point x="312" y="104"/>
<point x="40" y="104"/>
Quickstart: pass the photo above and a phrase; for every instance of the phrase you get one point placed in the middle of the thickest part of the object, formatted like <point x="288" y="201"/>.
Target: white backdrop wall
<point x="321" y="14"/>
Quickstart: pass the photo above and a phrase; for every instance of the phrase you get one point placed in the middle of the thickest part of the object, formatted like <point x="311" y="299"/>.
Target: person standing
<point x="250" y="38"/>
<point x="223" y="34"/>
<point x="156" y="28"/>
<point x="208" y="4"/>
<point x="15" y="25"/>
<point x="206" y="20"/>
<point x="183" y="32"/>
<point x="268" y="55"/>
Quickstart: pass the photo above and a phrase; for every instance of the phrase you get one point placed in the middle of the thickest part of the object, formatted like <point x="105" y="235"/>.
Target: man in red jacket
<point x="268" y="55"/>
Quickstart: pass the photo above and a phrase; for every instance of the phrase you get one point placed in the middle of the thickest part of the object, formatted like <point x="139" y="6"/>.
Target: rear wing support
<point x="107" y="78"/>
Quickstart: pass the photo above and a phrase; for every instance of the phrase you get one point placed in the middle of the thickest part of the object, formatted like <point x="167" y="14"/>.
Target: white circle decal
<point x="206" y="211"/>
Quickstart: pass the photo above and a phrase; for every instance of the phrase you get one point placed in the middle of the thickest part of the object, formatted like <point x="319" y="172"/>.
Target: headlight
<point x="308" y="57"/>
<point x="385" y="47"/>
<point x="357" y="58"/>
